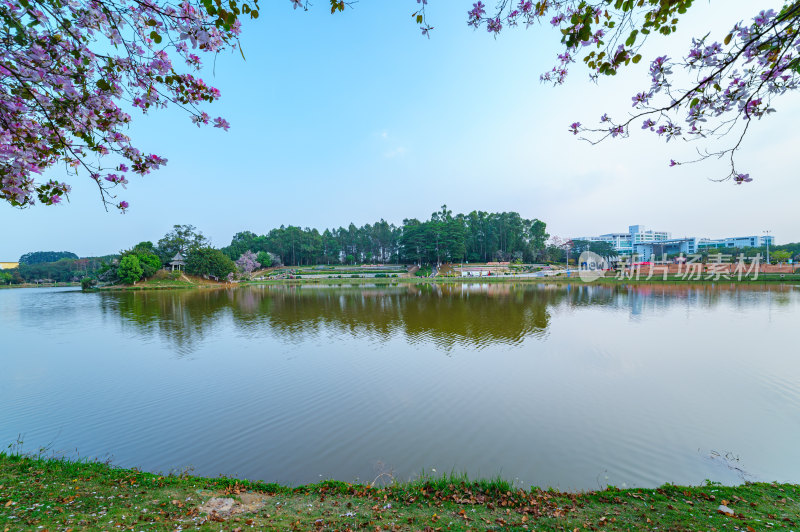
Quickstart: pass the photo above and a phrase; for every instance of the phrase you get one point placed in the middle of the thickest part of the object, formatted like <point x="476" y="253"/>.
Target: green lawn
<point x="42" y="494"/>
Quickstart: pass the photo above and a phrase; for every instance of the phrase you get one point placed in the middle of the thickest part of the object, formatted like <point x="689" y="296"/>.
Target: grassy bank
<point x="171" y="284"/>
<point x="40" y="285"/>
<point x="164" y="281"/>
<point x="52" y="494"/>
<point x="762" y="279"/>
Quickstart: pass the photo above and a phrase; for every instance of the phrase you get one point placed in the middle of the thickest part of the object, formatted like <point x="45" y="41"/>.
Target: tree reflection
<point x="451" y="315"/>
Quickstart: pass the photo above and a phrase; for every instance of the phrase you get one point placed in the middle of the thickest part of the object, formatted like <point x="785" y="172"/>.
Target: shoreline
<point x="53" y="493"/>
<point x="763" y="279"/>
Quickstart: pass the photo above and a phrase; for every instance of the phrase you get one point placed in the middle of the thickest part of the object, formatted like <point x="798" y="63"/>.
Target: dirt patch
<point x="226" y="506"/>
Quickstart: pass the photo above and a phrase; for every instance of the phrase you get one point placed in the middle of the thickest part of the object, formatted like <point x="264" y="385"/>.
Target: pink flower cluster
<point x="67" y="69"/>
<point x="736" y="80"/>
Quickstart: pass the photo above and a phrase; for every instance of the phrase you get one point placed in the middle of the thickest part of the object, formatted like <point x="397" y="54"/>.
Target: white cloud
<point x="397" y="152"/>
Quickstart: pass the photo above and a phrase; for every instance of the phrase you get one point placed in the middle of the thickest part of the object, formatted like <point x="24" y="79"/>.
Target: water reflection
<point x="447" y="315"/>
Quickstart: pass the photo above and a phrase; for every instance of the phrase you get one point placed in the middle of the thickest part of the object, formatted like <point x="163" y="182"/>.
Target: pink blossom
<point x="77" y="82"/>
<point x="221" y="123"/>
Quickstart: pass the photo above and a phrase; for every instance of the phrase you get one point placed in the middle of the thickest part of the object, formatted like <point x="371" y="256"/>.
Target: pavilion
<point x="177" y="262"/>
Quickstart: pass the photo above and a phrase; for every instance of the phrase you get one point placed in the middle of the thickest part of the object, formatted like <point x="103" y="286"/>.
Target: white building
<point x="648" y="243"/>
<point x="625" y="243"/>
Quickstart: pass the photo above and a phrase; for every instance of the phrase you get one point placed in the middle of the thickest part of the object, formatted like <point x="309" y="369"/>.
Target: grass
<point x="763" y="279"/>
<point x="342" y="271"/>
<point x="196" y="282"/>
<point x="40" y="285"/>
<point x="163" y="280"/>
<point x="51" y="494"/>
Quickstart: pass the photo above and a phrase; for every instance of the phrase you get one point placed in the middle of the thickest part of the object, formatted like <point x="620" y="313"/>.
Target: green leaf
<point x="636" y="58"/>
<point x="155" y="36"/>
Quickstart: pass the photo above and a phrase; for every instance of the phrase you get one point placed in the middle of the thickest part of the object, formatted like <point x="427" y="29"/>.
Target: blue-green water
<point x="573" y="387"/>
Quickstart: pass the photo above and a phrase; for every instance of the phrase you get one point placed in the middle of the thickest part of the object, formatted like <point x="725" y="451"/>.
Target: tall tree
<point x="181" y="239"/>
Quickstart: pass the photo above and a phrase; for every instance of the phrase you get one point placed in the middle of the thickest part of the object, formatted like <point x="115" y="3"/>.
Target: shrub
<point x="86" y="283"/>
<point x="209" y="261"/>
<point x="129" y="270"/>
<point x="264" y="258"/>
<point x="149" y="262"/>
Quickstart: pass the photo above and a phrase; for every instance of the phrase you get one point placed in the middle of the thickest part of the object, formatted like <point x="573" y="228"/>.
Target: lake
<point x="566" y="386"/>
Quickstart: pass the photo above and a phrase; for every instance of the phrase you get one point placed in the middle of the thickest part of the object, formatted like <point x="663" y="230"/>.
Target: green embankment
<point x="575" y="278"/>
<point x="166" y="281"/>
<point x="48" y="494"/>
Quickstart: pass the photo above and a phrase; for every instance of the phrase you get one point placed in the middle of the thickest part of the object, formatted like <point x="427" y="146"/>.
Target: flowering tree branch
<point x="732" y="83"/>
<point x="68" y="67"/>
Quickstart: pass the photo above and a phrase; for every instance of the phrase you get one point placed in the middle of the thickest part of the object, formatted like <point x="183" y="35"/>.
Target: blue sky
<point x="355" y="117"/>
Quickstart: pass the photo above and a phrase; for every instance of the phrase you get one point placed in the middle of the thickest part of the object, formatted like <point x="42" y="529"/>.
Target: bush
<point x="86" y="283"/>
<point x="209" y="261"/>
<point x="149" y="262"/>
<point x="264" y="258"/>
<point x="129" y="270"/>
<point x="355" y="276"/>
<point x="424" y="271"/>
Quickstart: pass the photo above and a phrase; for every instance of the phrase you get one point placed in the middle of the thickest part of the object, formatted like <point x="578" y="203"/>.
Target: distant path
<point x="412" y="271"/>
<point x="446" y="269"/>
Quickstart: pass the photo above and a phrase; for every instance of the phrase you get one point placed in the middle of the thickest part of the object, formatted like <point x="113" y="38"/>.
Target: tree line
<point x="475" y="237"/>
